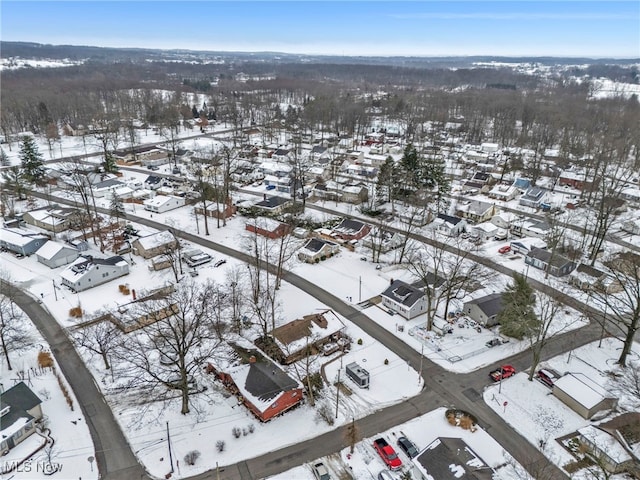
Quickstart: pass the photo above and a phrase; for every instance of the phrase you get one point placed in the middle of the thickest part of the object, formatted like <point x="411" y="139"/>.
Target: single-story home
<point x="485" y="231"/>
<point x="273" y="204"/>
<point x="349" y="229"/>
<point x="163" y="203"/>
<point x="20" y="410"/>
<point x="450" y="459"/>
<point x="306" y="335"/>
<point x="449" y="225"/>
<point x="88" y="272"/>
<point x="155" y="244"/>
<point x="475" y="211"/>
<point x="504" y="192"/>
<point x="267" y="227"/>
<point x="583" y="395"/>
<point x="404" y="299"/>
<point x="53" y="219"/>
<point x="217" y="210"/>
<point x="588" y="278"/>
<point x="53" y="254"/>
<point x="484" y="310"/>
<point x="260" y="384"/>
<point x="153" y="182"/>
<point x="317" y="249"/>
<point x="382" y="240"/>
<point x="21" y="241"/>
<point x="533" y="197"/>
<point x="542" y="259"/>
<point x="616" y="443"/>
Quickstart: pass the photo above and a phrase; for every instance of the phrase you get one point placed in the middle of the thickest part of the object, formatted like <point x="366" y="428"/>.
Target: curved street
<point x="442" y="388"/>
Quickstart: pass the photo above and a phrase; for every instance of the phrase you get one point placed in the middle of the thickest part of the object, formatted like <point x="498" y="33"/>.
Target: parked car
<point x="387" y="453"/>
<point x="219" y="262"/>
<point x="271" y="187"/>
<point x="494" y="342"/>
<point x="385" y="475"/>
<point x="320" y="471"/>
<point x="408" y="447"/>
<point x="505" y="249"/>
<point x="502" y="373"/>
<point x="547" y="377"/>
<point x="364" y="259"/>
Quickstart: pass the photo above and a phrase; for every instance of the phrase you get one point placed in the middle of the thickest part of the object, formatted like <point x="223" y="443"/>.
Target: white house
<point x="404" y="299"/>
<point x="449" y="225"/>
<point x="55" y="255"/>
<point x="485" y="231"/>
<point x="163" y="203"/>
<point x="87" y="272"/>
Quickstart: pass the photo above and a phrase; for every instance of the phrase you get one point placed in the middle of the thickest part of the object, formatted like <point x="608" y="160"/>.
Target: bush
<point x="75" y="312"/>
<point x="323" y="258"/>
<point x="325" y="412"/>
<point x="251" y="428"/>
<point x="191" y="457"/>
<point x="317" y="260"/>
<point x="220" y="446"/>
<point x="236" y="432"/>
<point x="386" y="361"/>
<point x="45" y="360"/>
<point x="359" y="341"/>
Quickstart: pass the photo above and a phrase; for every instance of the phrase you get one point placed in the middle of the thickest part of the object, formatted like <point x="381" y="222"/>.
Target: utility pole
<point x="360" y="290"/>
<point x="169" y="445"/>
<point x="421" y="357"/>
<point x="55" y="293"/>
<point x="338" y="391"/>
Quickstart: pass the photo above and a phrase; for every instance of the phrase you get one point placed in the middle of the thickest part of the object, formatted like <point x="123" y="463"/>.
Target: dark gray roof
<point x="319" y="149"/>
<point x="589" y="270"/>
<point x="111" y="182"/>
<point x="316" y="244"/>
<point x="153" y="179"/>
<point x="281" y="152"/>
<point x="481" y="176"/>
<point x="19" y="399"/>
<point x="349" y="226"/>
<point x="535" y="193"/>
<point x="444" y="453"/>
<point x="449" y="218"/>
<point x="403" y="293"/>
<point x="266" y="381"/>
<point x="546" y="256"/>
<point x="272" y="202"/>
<point x="490" y="304"/>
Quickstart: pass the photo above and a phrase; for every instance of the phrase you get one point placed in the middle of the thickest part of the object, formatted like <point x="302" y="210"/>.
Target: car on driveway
<point x="408" y="447"/>
<point x="320" y="471"/>
<point x="505" y="371"/>
<point x="271" y="187"/>
<point x="505" y="249"/>
<point x="219" y="262"/>
<point x="547" y="377"/>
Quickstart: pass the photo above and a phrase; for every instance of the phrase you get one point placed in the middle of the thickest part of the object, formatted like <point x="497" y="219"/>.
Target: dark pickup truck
<point x="387" y="453"/>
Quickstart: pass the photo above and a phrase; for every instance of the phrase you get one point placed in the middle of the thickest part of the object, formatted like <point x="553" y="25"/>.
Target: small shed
<point x="358" y="374"/>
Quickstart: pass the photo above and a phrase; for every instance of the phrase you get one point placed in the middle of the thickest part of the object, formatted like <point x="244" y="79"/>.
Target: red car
<point x="503" y="372"/>
<point x="505" y="249"/>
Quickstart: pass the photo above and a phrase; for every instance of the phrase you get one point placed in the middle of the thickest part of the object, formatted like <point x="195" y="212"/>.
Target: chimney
<point x="264" y="196"/>
<point x="252" y="359"/>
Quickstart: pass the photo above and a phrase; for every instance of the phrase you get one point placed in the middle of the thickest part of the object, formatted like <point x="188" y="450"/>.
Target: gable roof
<point x="547" y="257"/>
<point x="449" y="219"/>
<point x="452" y="459"/>
<point x="314" y="245"/>
<point x="490" y="305"/>
<point x="582" y="389"/>
<point x="18" y="399"/>
<point x="272" y="202"/>
<point x="50" y="249"/>
<point x="349" y="226"/>
<point x="403" y="293"/>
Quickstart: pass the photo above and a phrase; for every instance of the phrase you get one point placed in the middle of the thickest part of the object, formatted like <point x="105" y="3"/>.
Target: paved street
<point x="442" y="388"/>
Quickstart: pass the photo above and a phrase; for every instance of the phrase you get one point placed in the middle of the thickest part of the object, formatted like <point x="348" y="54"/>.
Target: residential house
<point x="382" y="240"/>
<point x="615" y="444"/>
<point x="449" y="225"/>
<point x="106" y="188"/>
<point x="153" y="182"/>
<point x="587" y="278"/>
<point x="219" y="210"/>
<point x="533" y="197"/>
<point x="273" y="205"/>
<point x="54" y="218"/>
<point x="480" y="181"/>
<point x="474" y="211"/>
<point x="306" y="336"/>
<point x="20" y="410"/>
<point x="485" y="231"/>
<point x="576" y="179"/>
<point x="404" y="299"/>
<point x="53" y="254"/>
<point x="484" y="310"/>
<point x="522" y="184"/>
<point x="355" y="194"/>
<point x="88" y="272"/>
<point x="630" y="226"/>
<point x="267" y="227"/>
<point x="450" y="459"/>
<point x="530" y="228"/>
<point x="163" y="203"/>
<point x="349" y="229"/>
<point x="504" y="192"/>
<point x="557" y="265"/>
<point x="584" y="396"/>
<point x="525" y="245"/>
<point x="504" y="220"/>
<point x="260" y="384"/>
<point x="21" y="241"/>
<point x="317" y="249"/>
<point x="155" y="244"/>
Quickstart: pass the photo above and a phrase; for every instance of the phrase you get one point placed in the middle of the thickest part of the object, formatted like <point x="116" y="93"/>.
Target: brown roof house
<point x="615" y="444"/>
<point x="260" y="384"/>
<point x="267" y="227"/>
<point x="307" y="335"/>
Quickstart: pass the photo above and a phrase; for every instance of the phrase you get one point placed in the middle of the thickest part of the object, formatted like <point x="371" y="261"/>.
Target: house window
<point x="275" y="404"/>
<point x="18" y="434"/>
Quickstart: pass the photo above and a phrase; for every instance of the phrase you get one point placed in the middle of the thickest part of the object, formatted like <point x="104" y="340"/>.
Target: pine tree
<point x="4" y="158"/>
<point x="109" y="164"/>
<point x="116" y="207"/>
<point x="32" y="161"/>
<point x="387" y="180"/>
<point x="518" y="318"/>
<point x="194" y="112"/>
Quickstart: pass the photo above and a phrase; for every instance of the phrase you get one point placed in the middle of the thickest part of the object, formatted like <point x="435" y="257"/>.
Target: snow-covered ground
<point x="72" y="442"/>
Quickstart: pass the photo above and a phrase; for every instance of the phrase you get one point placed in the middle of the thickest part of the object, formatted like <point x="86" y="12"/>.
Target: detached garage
<point x="55" y="255"/>
<point x="583" y="395"/>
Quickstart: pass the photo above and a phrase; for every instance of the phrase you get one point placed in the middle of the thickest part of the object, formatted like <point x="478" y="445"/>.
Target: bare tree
<point x="13" y="328"/>
<point x="626" y="385"/>
<point x="166" y="355"/>
<point x="101" y="338"/>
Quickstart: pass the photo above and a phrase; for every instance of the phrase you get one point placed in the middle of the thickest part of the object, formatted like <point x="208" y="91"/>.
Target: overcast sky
<point x="556" y="28"/>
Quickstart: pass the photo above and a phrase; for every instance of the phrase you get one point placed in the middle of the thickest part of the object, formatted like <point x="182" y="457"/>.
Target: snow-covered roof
<point x="582" y="389"/>
<point x="159" y="200"/>
<point x="19" y="236"/>
<point x="156" y="240"/>
<point x="50" y="249"/>
<point x="606" y="443"/>
<point x="296" y="335"/>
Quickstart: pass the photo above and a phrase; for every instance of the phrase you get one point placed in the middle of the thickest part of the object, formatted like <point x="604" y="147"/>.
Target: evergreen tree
<point x="32" y="161"/>
<point x="4" y="158"/>
<point x="194" y="112"/>
<point x="434" y="177"/>
<point x="411" y="165"/>
<point x="387" y="180"/>
<point x="518" y="318"/>
<point x="116" y="207"/>
<point x="109" y="164"/>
